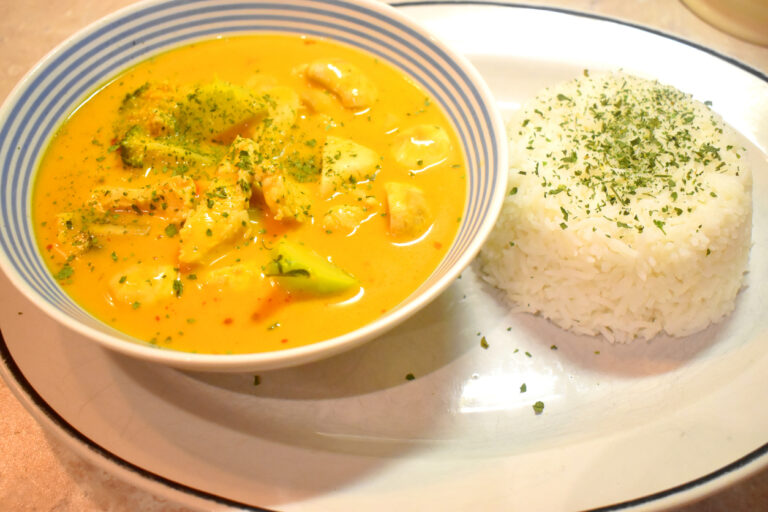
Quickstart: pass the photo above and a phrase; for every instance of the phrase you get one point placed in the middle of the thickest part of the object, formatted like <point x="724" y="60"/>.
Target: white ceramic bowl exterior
<point x="68" y="75"/>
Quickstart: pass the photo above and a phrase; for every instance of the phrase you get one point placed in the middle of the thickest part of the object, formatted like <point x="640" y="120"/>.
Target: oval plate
<point x="643" y="426"/>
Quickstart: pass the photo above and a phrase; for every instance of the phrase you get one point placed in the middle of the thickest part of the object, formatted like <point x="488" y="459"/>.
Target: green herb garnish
<point x="178" y="287"/>
<point x="64" y="273"/>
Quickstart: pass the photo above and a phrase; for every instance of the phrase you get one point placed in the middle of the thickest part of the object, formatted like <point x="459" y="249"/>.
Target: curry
<point x="249" y="194"/>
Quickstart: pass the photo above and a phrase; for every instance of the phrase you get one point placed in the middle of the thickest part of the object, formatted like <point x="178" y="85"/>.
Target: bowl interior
<point x="59" y="83"/>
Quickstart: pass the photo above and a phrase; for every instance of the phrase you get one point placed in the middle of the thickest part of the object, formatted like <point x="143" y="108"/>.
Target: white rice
<point x="629" y="210"/>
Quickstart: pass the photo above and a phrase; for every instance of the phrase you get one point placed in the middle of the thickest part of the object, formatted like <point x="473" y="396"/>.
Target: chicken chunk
<point x="421" y="146"/>
<point x="318" y="100"/>
<point x="143" y="285"/>
<point x="285" y="198"/>
<point x="345" y="163"/>
<point x="72" y="235"/>
<point x="353" y="87"/>
<point x="78" y="233"/>
<point x="243" y="163"/>
<point x="409" y="214"/>
<point x="171" y="199"/>
<point x="346" y="218"/>
<point x="112" y="229"/>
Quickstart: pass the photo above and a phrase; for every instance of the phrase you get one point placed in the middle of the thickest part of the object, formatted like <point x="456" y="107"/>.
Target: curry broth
<point x="251" y="316"/>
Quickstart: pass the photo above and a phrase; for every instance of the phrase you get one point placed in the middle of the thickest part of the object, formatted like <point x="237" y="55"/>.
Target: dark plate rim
<point x="67" y="429"/>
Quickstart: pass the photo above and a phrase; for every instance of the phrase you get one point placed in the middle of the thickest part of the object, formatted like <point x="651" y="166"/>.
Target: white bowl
<point x="64" y="78"/>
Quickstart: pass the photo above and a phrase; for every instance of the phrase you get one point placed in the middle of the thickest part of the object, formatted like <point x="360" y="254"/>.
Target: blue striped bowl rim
<point x="78" y="67"/>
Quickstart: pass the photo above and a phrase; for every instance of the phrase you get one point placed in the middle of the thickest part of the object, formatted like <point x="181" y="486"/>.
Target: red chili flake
<point x="284" y="340"/>
<point x="228" y="320"/>
<point x="438" y="245"/>
<point x="157" y="318"/>
<point x="49" y="247"/>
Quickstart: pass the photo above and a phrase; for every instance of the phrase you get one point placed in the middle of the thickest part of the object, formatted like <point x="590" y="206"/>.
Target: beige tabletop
<point x="37" y="472"/>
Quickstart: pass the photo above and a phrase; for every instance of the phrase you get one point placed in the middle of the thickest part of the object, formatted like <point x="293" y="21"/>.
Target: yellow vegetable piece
<point x="143" y="285"/>
<point x="345" y="163"/>
<point x="207" y="229"/>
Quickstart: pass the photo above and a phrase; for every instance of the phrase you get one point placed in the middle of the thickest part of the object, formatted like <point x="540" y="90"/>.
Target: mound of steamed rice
<point x="628" y="214"/>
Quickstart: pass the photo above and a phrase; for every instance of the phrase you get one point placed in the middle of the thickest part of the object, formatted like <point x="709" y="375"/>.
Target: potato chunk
<point x="421" y="146"/>
<point x="409" y="214"/>
<point x="143" y="285"/>
<point x="220" y="216"/>
<point x="353" y="87"/>
<point x="206" y="229"/>
<point x="242" y="277"/>
<point x="345" y="163"/>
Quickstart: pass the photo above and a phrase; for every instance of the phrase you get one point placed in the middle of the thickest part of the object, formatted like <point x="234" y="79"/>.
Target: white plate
<point x="642" y="426"/>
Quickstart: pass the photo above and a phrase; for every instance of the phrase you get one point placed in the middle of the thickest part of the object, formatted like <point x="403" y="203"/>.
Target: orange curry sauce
<point x="244" y="314"/>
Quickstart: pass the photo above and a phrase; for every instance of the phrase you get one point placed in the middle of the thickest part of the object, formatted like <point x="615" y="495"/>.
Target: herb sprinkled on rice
<point x="630" y="209"/>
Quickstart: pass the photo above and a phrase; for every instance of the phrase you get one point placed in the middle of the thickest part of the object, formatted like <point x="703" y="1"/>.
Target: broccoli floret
<point x="137" y="149"/>
<point x="151" y="107"/>
<point x="131" y="99"/>
<point x="298" y="268"/>
<point x="216" y="109"/>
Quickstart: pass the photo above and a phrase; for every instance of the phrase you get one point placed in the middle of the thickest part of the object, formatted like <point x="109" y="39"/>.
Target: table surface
<point x="37" y="471"/>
